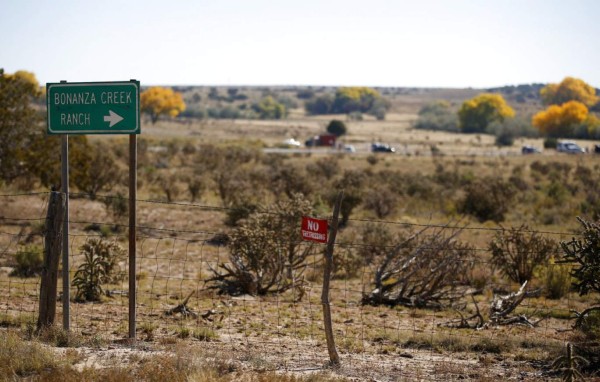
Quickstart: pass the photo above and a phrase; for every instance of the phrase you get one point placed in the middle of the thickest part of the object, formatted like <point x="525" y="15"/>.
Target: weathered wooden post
<point x="334" y="358"/>
<point x="52" y="251"/>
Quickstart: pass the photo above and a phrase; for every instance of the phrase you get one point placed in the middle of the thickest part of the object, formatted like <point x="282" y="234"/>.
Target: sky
<point x="398" y="43"/>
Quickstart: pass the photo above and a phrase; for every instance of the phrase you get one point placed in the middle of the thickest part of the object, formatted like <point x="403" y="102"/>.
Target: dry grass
<point x="32" y="360"/>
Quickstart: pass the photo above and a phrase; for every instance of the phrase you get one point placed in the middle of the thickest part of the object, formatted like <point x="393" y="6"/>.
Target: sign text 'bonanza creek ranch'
<point x="93" y="108"/>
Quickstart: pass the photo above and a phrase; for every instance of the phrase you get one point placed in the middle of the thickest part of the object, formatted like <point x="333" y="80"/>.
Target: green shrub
<point x="557" y="280"/>
<point x="116" y="205"/>
<point x="239" y="211"/>
<point x="382" y="201"/>
<point x="437" y="116"/>
<point x="505" y="138"/>
<point x="347" y="263"/>
<point x="205" y="334"/>
<point x="372" y="159"/>
<point x="30" y="260"/>
<point x="100" y="266"/>
<point x="265" y="254"/>
<point x="584" y="254"/>
<point x="550" y="143"/>
<point x="518" y="251"/>
<point x="591" y="325"/>
<point x="487" y="199"/>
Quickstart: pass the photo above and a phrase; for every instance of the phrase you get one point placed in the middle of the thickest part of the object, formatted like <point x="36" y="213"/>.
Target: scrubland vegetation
<point x="451" y="230"/>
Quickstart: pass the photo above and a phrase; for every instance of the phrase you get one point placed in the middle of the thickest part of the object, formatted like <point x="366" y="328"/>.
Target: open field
<point x="279" y="336"/>
<point x="277" y="332"/>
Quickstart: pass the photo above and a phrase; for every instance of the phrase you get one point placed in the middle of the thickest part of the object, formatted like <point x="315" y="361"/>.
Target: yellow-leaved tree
<point x="560" y="120"/>
<point x="570" y="89"/>
<point x="158" y="101"/>
<point x="477" y="113"/>
<point x="355" y="98"/>
<point x="30" y="79"/>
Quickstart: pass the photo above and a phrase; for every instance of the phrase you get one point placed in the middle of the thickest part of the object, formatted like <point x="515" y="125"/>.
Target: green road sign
<point x="93" y="107"/>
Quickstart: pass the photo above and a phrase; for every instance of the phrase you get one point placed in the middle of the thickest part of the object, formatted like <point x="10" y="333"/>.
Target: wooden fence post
<point x="52" y="251"/>
<point x="334" y="358"/>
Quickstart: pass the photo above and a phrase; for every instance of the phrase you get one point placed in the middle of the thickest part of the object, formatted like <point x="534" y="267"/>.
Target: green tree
<point x="477" y="113"/>
<point x="269" y="108"/>
<point x="101" y="174"/>
<point x="363" y="99"/>
<point x="41" y="159"/>
<point x="18" y="120"/>
<point x="337" y="128"/>
<point x="320" y="105"/>
<point x="437" y="115"/>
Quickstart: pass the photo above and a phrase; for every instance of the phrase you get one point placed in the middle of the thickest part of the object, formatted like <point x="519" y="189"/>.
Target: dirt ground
<point x="267" y="333"/>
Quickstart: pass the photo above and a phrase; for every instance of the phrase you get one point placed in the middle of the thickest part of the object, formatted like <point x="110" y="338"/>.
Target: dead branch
<point x="580" y="317"/>
<point x="183" y="309"/>
<point x="207" y="315"/>
<point x="422" y="271"/>
<point x="464" y="323"/>
<point x="503" y="305"/>
<point x="500" y="310"/>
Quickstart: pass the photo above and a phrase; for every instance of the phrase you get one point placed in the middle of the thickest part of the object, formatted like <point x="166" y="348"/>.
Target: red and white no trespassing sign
<point x="314" y="229"/>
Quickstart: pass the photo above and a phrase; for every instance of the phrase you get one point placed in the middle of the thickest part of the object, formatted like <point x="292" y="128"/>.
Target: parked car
<point x="528" y="149"/>
<point x="349" y="149"/>
<point x="382" y="148"/>
<point x="569" y="147"/>
<point x="291" y="143"/>
<point x="321" y="140"/>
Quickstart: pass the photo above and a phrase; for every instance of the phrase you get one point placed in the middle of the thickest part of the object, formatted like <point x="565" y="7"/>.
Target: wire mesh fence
<point x="179" y="298"/>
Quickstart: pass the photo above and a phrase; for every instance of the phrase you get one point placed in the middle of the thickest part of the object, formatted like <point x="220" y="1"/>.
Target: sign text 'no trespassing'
<point x="314" y="229"/>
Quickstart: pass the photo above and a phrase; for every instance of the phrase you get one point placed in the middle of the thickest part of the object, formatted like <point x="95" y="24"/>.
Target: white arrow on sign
<point x="113" y="118"/>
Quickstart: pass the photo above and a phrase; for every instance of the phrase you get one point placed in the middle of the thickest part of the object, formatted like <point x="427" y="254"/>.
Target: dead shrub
<point x="425" y="269"/>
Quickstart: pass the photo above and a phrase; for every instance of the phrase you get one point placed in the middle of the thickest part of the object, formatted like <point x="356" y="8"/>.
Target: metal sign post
<point x="96" y="108"/>
<point x="132" y="231"/>
<point x="64" y="181"/>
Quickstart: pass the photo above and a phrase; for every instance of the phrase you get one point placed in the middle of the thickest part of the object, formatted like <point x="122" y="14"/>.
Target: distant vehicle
<point x="321" y="140"/>
<point x="597" y="149"/>
<point x="569" y="147"/>
<point x="291" y="143"/>
<point x="349" y="149"/>
<point x="528" y="149"/>
<point x="382" y="148"/>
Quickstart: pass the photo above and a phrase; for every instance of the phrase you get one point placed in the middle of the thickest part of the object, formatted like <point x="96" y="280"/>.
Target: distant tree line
<point x="569" y="114"/>
<point x="348" y="100"/>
